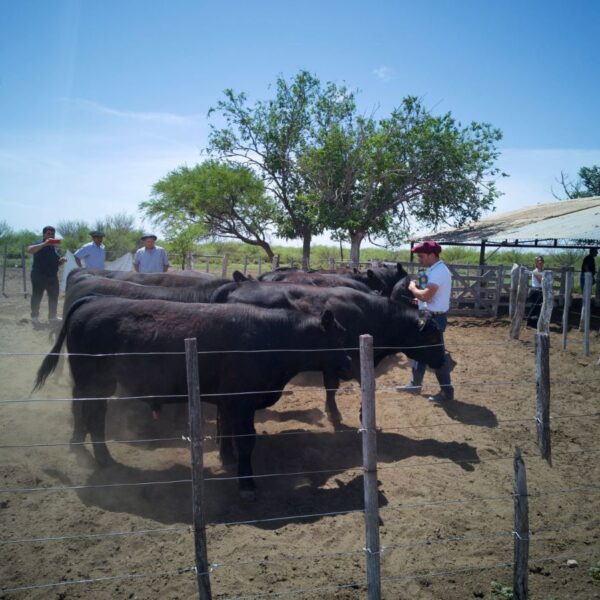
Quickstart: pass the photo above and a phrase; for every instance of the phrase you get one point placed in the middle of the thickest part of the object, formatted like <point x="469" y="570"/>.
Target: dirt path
<point x="432" y="460"/>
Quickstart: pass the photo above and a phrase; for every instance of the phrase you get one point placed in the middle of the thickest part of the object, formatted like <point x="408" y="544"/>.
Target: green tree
<point x="74" y="233"/>
<point x="270" y="135"/>
<point x="370" y="179"/>
<point x="213" y="199"/>
<point x="587" y="185"/>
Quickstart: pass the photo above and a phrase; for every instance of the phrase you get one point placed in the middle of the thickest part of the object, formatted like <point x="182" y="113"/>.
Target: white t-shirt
<point x="151" y="261"/>
<point x="534" y="280"/>
<point x="93" y="255"/>
<point x="439" y="274"/>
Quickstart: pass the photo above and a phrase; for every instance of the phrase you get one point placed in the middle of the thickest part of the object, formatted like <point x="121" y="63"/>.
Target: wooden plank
<point x="519" y="313"/>
<point x="4" y="263"/>
<point x="197" y="452"/>
<point x="24" y="271"/>
<point x="224" y="263"/>
<point x="586" y="312"/>
<point x="542" y="387"/>
<point x="514" y="286"/>
<point x="543" y="324"/>
<point x="369" y="449"/>
<point x="566" y="307"/>
<point x="521" y="529"/>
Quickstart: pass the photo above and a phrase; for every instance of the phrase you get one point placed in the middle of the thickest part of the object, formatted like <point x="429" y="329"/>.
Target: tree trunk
<point x="356" y="237"/>
<point x="267" y="248"/>
<point x="306" y="239"/>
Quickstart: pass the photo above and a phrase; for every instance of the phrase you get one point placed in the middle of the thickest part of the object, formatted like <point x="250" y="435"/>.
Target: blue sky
<point x="99" y="100"/>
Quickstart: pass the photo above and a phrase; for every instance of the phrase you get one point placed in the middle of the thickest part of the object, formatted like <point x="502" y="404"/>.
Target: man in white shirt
<point x="94" y="253"/>
<point x="150" y="258"/>
<point x="433" y="295"/>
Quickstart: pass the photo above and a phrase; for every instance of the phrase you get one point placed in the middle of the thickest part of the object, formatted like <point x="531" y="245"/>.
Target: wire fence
<point x="359" y="586"/>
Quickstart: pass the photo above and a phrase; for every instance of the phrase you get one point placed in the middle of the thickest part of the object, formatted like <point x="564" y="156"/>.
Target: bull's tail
<point x="51" y="359"/>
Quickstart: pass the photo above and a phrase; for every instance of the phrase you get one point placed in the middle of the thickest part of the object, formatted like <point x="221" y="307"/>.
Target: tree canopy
<point x="587" y="185"/>
<point x="213" y="199"/>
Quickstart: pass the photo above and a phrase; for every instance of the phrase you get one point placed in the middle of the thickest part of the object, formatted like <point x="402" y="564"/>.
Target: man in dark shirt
<point x="589" y="266"/>
<point x="44" y="274"/>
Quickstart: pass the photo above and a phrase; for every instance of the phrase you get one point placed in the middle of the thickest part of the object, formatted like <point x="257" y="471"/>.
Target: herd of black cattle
<point x="297" y="321"/>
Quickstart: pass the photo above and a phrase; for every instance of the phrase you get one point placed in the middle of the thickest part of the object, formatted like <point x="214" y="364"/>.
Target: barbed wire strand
<point x="39" y="586"/>
<point x="185" y="438"/>
<point x="299" y="591"/>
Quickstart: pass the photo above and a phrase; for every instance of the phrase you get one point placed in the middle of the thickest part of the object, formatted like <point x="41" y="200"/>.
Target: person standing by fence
<point x="536" y="297"/>
<point x="432" y="294"/>
<point x="44" y="274"/>
<point x="93" y="253"/>
<point x="150" y="258"/>
<point x="588" y="266"/>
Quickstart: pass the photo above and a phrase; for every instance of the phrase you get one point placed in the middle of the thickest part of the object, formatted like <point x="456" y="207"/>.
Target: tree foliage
<point x="213" y="199"/>
<point x="270" y="135"/>
<point x="371" y="178"/>
<point x="587" y="185"/>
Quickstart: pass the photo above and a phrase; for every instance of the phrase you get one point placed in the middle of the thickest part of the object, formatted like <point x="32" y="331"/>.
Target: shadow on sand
<point x="279" y="497"/>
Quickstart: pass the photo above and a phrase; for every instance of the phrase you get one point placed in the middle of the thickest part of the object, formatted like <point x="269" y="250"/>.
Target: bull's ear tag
<point x="421" y="323"/>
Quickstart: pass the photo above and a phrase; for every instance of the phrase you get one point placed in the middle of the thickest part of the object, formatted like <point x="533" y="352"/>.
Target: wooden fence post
<point x="197" y="452"/>
<point x="543" y="324"/>
<point x="514" y="284"/>
<point x="275" y="262"/>
<point x="586" y="308"/>
<point x="332" y="264"/>
<point x="24" y="270"/>
<point x="4" y="262"/>
<point x="245" y="264"/>
<point x="520" y="304"/>
<point x="259" y="264"/>
<point x="189" y="261"/>
<point x="542" y="388"/>
<point x="521" y="529"/>
<point x="566" y="307"/>
<point x="224" y="265"/>
<point x="369" y="449"/>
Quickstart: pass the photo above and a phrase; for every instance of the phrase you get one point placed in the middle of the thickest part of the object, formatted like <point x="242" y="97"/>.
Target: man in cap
<point x="93" y="253"/>
<point x="44" y="274"/>
<point x="432" y="293"/>
<point x="150" y="258"/>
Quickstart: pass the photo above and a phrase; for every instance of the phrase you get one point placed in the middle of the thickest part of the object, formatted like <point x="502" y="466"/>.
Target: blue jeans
<point x="443" y="373"/>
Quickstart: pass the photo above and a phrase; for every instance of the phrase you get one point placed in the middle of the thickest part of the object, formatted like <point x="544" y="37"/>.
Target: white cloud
<point x="384" y="73"/>
<point x="164" y="118"/>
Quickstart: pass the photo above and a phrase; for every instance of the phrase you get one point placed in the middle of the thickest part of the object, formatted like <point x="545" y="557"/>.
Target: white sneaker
<point x="35" y="320"/>
<point x="55" y="320"/>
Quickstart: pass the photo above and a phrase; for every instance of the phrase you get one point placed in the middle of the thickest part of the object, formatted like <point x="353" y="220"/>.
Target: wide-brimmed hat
<point x="97" y="233"/>
<point x="427" y="247"/>
<point x="147" y="236"/>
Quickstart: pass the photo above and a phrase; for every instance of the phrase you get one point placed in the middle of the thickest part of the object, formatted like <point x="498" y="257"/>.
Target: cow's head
<point x="337" y="360"/>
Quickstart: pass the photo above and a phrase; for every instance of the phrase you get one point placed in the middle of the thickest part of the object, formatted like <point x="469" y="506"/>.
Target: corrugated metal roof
<point x="570" y="220"/>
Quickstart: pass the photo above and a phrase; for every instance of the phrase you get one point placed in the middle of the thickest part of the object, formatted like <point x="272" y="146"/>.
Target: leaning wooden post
<point x="224" y="265"/>
<point x="542" y="388"/>
<point x="4" y="262"/>
<point x="24" y="270"/>
<point x="259" y="264"/>
<point x="521" y="530"/>
<point x="189" y="261"/>
<point x="332" y="264"/>
<point x="543" y="324"/>
<point x="566" y="307"/>
<point x="514" y="284"/>
<point x="586" y="308"/>
<point x="520" y="304"/>
<point x="245" y="264"/>
<point x="369" y="449"/>
<point x="196" y="439"/>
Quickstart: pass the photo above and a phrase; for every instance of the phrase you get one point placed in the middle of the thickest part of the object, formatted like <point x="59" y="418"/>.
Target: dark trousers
<point x="533" y="306"/>
<point x="41" y="283"/>
<point x="443" y="373"/>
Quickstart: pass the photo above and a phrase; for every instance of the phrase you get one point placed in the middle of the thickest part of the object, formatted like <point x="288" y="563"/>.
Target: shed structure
<point x="567" y="224"/>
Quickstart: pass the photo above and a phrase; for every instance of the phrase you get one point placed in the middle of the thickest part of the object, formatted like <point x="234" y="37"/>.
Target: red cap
<point x="427" y="247"/>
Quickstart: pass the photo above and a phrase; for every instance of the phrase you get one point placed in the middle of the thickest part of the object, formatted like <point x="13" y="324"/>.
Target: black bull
<point x="228" y="377"/>
<point x="394" y="325"/>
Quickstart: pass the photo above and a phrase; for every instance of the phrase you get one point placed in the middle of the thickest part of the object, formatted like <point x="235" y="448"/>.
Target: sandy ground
<point x="431" y="460"/>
